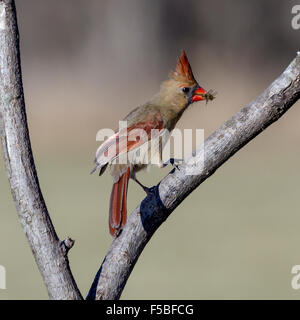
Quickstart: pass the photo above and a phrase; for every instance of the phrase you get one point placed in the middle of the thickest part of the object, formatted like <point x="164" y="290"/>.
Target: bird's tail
<point x="118" y="204"/>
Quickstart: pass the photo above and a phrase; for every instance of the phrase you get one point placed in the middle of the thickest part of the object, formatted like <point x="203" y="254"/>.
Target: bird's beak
<point x="198" y="94"/>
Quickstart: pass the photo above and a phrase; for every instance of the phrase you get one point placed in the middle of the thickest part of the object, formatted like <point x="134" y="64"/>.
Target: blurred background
<point x="86" y="64"/>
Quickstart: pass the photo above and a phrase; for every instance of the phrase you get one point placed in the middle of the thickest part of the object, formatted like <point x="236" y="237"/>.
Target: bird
<point x="154" y="119"/>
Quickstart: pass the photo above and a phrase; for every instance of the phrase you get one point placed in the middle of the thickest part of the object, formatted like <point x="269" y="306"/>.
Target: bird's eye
<point x="186" y="89"/>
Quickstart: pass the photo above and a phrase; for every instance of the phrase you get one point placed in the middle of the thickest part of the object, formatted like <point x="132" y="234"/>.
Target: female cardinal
<point x="156" y="117"/>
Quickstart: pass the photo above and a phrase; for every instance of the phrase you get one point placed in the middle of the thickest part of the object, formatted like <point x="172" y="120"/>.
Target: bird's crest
<point x="183" y="71"/>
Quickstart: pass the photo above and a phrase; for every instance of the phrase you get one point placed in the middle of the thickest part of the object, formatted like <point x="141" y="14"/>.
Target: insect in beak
<point x="200" y="94"/>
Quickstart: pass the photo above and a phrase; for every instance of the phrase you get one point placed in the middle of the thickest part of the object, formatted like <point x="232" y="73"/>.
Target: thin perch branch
<point x="49" y="252"/>
<point x="174" y="188"/>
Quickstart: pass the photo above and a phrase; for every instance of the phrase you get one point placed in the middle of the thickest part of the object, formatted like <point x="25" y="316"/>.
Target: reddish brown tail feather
<point x="118" y="204"/>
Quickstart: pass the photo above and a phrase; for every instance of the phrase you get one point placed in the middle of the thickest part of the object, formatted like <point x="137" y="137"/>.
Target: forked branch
<point x="50" y="253"/>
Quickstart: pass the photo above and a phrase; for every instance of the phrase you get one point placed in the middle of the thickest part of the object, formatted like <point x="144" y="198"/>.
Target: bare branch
<point x="174" y="188"/>
<point x="50" y="255"/>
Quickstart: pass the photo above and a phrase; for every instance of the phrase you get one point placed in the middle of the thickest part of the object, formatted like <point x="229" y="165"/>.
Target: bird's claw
<point x="174" y="162"/>
<point x="149" y="191"/>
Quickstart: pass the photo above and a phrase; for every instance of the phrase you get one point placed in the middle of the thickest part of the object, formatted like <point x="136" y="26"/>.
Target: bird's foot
<point x="174" y="162"/>
<point x="149" y="191"/>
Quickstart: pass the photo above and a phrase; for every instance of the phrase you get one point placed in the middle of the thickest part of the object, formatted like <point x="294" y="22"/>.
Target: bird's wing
<point x="128" y="139"/>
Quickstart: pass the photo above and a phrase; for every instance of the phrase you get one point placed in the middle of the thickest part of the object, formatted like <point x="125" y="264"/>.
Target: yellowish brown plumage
<point x="162" y="113"/>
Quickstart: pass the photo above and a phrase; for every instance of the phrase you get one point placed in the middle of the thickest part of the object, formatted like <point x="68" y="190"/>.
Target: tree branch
<point x="175" y="187"/>
<point x="49" y="252"/>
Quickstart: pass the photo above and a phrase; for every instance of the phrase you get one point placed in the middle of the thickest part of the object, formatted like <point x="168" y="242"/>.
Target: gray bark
<point x="50" y="253"/>
<point x="175" y="187"/>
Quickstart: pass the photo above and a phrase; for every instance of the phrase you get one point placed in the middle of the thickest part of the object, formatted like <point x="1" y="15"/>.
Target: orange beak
<point x="198" y="94"/>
